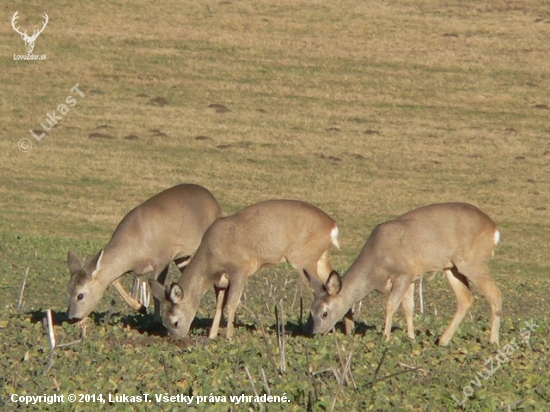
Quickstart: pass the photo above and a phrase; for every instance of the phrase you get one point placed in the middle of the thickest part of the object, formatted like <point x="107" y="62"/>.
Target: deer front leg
<point x="408" y="307"/>
<point x="221" y="292"/>
<point x="220" y="295"/>
<point x="234" y="293"/>
<point x="400" y="287"/>
<point x="348" y="321"/>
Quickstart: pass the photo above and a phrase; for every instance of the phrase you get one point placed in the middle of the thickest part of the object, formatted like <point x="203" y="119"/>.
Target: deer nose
<point x="70" y="317"/>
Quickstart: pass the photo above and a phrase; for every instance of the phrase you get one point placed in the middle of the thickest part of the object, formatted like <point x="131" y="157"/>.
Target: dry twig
<point x="21" y="304"/>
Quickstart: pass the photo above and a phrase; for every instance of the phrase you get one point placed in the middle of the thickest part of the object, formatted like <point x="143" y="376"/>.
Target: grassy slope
<point x="367" y="110"/>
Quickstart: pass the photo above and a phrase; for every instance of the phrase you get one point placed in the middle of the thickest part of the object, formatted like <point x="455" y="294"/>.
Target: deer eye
<point x="80" y="296"/>
<point x="175" y="324"/>
<point x="324" y="315"/>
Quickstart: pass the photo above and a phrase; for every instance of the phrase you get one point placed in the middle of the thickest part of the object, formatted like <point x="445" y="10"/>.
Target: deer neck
<point x="113" y="263"/>
<point x="357" y="282"/>
<point x="195" y="279"/>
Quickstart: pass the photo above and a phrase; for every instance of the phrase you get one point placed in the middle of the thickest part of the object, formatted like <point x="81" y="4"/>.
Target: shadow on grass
<point x="139" y="322"/>
<point x="297" y="329"/>
<point x="144" y="324"/>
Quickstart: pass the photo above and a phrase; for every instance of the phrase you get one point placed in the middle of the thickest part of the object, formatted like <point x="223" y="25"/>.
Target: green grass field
<point x="365" y="109"/>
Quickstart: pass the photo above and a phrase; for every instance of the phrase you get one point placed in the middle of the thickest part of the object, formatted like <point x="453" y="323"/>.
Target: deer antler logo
<point x="29" y="40"/>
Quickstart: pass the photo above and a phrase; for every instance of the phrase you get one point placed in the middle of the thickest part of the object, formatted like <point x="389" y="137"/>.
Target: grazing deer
<point x="29" y="40"/>
<point x="167" y="227"/>
<point x="236" y="247"/>
<point x="456" y="237"/>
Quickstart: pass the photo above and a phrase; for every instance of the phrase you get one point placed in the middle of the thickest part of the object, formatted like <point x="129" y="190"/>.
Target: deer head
<point x="29" y="40"/>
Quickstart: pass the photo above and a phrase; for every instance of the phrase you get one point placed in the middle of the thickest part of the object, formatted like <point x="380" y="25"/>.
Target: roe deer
<point x="169" y="226"/>
<point x="456" y="237"/>
<point x="238" y="246"/>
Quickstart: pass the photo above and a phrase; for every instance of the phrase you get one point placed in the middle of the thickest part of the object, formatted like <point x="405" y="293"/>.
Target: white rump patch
<point x="497" y="237"/>
<point x="334" y="237"/>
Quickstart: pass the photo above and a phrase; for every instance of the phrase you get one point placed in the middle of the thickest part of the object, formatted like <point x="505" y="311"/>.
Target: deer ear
<point x="334" y="283"/>
<point x="158" y="291"/>
<point x="96" y="262"/>
<point x="175" y="295"/>
<point x="315" y="285"/>
<point x="74" y="262"/>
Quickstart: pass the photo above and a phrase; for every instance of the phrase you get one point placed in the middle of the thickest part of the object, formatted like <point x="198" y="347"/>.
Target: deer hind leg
<point x="220" y="289"/>
<point x="324" y="263"/>
<point x="408" y="307"/>
<point x="182" y="262"/>
<point x="479" y="276"/>
<point x="317" y="265"/>
<point x="464" y="298"/>
<point x="401" y="287"/>
<point x="323" y="266"/>
<point x="130" y="301"/>
<point x="313" y="255"/>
